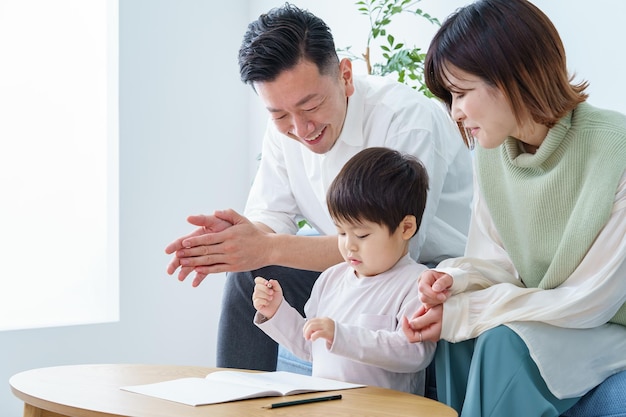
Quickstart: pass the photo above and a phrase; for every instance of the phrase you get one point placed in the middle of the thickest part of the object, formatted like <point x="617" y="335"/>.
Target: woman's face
<point x="482" y="108"/>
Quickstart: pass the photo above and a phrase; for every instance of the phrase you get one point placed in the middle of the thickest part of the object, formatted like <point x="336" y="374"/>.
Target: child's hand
<point x="321" y="327"/>
<point x="267" y="296"/>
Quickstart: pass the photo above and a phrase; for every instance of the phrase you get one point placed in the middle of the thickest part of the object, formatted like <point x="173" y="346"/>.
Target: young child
<point x="353" y="326"/>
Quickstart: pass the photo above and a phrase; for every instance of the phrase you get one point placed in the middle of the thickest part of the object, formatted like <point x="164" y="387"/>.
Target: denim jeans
<point x="606" y="400"/>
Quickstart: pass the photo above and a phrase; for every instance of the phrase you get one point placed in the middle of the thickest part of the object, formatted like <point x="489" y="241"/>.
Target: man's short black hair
<point x="280" y="39"/>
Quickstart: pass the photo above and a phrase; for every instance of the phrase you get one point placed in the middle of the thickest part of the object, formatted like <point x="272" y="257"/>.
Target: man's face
<point x="309" y="107"/>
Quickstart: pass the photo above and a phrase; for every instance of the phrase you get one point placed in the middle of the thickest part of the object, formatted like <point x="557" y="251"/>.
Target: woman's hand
<point x="434" y="288"/>
<point x="424" y="326"/>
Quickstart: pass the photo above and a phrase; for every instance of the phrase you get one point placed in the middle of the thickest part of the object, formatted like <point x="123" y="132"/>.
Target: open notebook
<point x="224" y="386"/>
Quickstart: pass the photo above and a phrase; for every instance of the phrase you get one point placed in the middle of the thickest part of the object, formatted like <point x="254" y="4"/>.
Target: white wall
<point x="181" y="141"/>
<point x="185" y="124"/>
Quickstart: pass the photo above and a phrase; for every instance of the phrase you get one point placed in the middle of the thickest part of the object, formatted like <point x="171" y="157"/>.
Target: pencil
<point x="305" y="401"/>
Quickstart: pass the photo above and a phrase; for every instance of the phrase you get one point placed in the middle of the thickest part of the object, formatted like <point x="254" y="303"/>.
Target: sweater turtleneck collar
<point x="516" y="156"/>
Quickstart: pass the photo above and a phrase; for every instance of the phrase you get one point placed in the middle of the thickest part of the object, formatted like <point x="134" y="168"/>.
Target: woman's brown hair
<point x="513" y="46"/>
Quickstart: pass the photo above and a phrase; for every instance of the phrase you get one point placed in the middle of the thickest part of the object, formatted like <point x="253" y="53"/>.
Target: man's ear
<point x="345" y="74"/>
<point x="408" y="225"/>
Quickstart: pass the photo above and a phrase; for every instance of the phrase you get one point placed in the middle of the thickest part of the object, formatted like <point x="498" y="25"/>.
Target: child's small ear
<point x="408" y="226"/>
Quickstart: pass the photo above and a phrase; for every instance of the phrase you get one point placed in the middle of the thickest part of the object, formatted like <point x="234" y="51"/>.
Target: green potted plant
<point x="407" y="62"/>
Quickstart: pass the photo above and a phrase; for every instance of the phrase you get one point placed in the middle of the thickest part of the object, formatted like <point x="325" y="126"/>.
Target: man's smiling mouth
<point x="316" y="136"/>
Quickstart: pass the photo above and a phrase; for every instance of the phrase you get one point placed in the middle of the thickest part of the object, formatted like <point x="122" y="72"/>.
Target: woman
<point x="534" y="315"/>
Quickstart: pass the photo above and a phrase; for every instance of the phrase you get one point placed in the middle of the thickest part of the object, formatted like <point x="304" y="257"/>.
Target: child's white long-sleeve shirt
<point x="369" y="346"/>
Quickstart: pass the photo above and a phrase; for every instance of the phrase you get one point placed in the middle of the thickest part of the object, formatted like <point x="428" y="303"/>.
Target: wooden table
<point x="94" y="390"/>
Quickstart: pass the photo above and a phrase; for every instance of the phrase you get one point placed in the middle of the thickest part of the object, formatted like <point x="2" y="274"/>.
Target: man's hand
<point x="425" y="325"/>
<point x="321" y="327"/>
<point x="433" y="288"/>
<point x="208" y="224"/>
<point x="267" y="296"/>
<point x="225" y="242"/>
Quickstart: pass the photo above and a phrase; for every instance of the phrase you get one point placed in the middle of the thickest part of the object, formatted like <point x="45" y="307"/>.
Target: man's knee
<point x="238" y="283"/>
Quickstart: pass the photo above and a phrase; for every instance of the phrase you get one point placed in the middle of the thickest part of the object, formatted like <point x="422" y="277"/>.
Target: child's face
<point x="369" y="248"/>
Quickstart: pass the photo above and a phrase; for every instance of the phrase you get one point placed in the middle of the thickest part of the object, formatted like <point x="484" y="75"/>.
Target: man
<point x="320" y="117"/>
